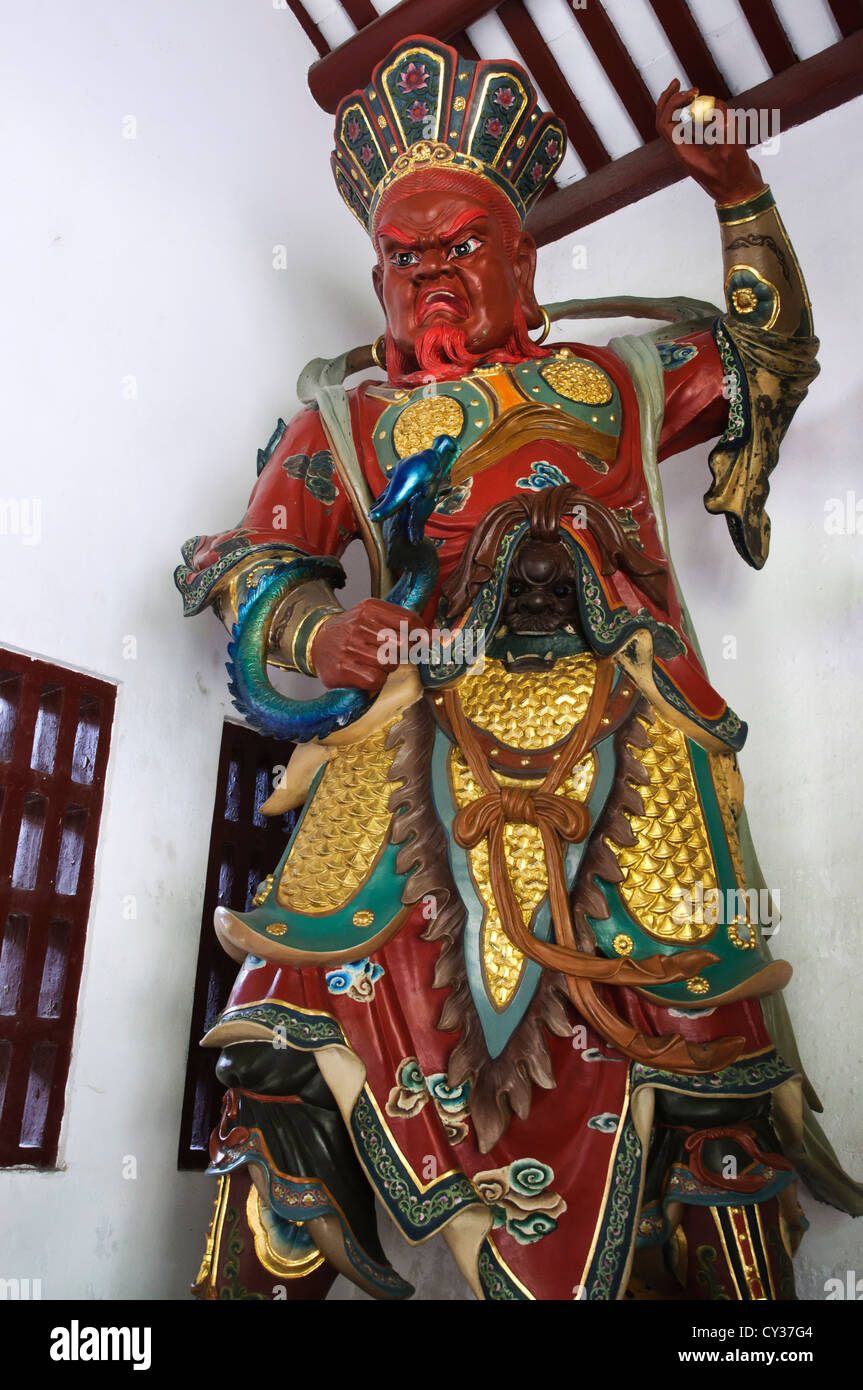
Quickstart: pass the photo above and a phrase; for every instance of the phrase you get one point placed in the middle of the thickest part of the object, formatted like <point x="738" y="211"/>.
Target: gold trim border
<point x="267" y="1256"/>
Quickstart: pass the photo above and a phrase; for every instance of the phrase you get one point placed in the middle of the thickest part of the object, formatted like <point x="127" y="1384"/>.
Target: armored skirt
<point x="472" y="1097"/>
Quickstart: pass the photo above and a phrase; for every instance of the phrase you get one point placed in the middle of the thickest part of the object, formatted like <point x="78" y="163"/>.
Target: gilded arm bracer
<point x="226" y="585"/>
<point x="768" y="355"/>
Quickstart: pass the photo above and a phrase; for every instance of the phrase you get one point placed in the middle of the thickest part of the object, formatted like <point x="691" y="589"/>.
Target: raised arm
<point x="764" y="287"/>
<point x="764" y="358"/>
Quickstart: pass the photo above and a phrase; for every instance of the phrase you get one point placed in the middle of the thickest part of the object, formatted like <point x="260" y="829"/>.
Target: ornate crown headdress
<point x="426" y="107"/>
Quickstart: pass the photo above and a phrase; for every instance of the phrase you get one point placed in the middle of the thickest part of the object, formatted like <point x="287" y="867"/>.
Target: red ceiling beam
<point x="848" y="15"/>
<point x="309" y="28"/>
<point x="555" y="88"/>
<point x="627" y="179"/>
<point x="685" y="38"/>
<point x="619" y="67"/>
<point x="349" y="66"/>
<point x="461" y="42"/>
<point x="769" y="34"/>
<point x="360" y="12"/>
<point x="810" y="88"/>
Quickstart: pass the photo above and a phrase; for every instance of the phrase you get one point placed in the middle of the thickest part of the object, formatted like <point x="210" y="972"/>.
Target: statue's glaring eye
<point x="464" y="248"/>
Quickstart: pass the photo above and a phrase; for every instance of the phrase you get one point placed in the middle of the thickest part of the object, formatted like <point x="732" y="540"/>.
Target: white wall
<point x="152" y="258"/>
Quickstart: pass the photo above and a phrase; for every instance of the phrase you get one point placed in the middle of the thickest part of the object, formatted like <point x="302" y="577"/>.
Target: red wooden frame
<point x="805" y="90"/>
<point x="848" y="15"/>
<point x="771" y="37"/>
<point x="55" y="737"/>
<point x="800" y="90"/>
<point x="619" y="67"/>
<point x="349" y="65"/>
<point x="555" y="88"/>
<point x="244" y="847"/>
<point x="685" y="38"/>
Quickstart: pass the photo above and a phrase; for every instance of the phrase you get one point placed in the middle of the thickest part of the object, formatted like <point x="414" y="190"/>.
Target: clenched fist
<point x="351" y="649"/>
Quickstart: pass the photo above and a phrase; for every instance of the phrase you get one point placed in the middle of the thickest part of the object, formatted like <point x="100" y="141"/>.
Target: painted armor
<point x="508" y="974"/>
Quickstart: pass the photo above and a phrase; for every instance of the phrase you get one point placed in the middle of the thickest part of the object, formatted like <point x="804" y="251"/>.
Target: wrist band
<point x="301" y="646"/>
<point x="731" y="213"/>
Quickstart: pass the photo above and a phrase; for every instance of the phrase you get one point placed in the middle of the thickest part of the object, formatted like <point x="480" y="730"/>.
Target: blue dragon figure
<point x="404" y="507"/>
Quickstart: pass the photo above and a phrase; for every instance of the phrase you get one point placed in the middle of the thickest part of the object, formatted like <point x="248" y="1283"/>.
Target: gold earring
<point x="378" y="348"/>
<point x="546" y="327"/>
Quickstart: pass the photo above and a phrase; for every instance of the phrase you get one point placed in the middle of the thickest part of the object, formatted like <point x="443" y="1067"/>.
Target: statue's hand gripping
<point x="349" y="648"/>
<point x="346" y="650"/>
<point x="715" y="158"/>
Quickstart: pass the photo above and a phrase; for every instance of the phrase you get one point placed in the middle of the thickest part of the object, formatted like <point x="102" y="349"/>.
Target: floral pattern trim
<point x="356" y="981"/>
<point x="748" y="1077"/>
<point x="304" y="1199"/>
<point x="197" y="586"/>
<point x="297" y="1028"/>
<point x="413" y="1091"/>
<point x="419" y="1211"/>
<point x="616" y="1231"/>
<point x="737" y="429"/>
<point x="495" y="1281"/>
<point x="608" y="627"/>
<point x="681" y="1186"/>
<point x="730" y="728"/>
<point x="482" y="615"/>
<point x="520" y="1199"/>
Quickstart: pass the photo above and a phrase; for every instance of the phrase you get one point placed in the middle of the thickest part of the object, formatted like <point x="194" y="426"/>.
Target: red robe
<point x="570" y="1234"/>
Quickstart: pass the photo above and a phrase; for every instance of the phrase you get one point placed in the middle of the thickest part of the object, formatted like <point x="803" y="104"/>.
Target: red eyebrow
<point x="472" y="215"/>
<point x="403" y="239"/>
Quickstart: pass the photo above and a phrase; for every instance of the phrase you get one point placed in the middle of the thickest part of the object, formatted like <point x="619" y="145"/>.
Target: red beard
<point x="442" y="353"/>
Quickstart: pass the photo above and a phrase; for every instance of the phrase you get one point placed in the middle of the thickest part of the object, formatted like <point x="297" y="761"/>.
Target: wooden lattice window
<point x="55" y="733"/>
<point x="245" y="846"/>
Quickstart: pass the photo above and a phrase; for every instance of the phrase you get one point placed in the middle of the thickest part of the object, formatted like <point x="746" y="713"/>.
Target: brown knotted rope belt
<point x="559" y="819"/>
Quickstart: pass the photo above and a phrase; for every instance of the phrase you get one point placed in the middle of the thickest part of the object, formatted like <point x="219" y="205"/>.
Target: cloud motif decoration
<point x="606" y="1123"/>
<point x="674" y="355"/>
<point x="520" y="1198"/>
<point x="543" y="474"/>
<point x="356" y="980"/>
<point x="414" y="1090"/>
<point x="453" y="499"/>
<point x="317" y="473"/>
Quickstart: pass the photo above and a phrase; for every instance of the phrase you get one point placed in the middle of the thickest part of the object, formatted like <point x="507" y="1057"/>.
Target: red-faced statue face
<point x="444" y="260"/>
